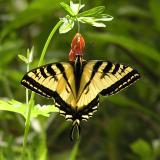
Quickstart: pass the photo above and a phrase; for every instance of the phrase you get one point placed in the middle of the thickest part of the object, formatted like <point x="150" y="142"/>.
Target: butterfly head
<point x="77" y="47"/>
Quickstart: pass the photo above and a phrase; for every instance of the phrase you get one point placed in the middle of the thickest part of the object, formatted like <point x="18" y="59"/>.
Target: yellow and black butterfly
<point x="75" y="86"/>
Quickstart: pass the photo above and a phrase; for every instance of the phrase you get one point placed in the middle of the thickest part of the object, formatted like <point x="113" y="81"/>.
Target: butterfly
<point x="75" y="86"/>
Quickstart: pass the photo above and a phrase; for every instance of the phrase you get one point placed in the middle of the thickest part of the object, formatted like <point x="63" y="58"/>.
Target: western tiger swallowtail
<point x="75" y="86"/>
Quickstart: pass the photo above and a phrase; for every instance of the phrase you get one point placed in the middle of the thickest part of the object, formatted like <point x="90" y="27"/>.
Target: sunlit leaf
<point x="30" y="54"/>
<point x="104" y="17"/>
<point x="92" y="21"/>
<point x="97" y="24"/>
<point x="67" y="25"/>
<point x="23" y="58"/>
<point x="67" y="8"/>
<point x="91" y="12"/>
<point x="142" y="149"/>
<point x="76" y="7"/>
<point x="21" y="108"/>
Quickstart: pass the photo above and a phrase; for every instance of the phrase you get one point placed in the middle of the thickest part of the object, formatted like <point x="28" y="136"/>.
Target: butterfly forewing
<point x="52" y="81"/>
<point x="104" y="78"/>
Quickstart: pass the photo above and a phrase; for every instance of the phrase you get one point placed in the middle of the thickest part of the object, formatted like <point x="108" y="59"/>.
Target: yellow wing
<point x="103" y="78"/>
<point x="55" y="81"/>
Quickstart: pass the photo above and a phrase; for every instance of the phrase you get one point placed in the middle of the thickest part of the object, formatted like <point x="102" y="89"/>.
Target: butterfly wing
<point x="103" y="78"/>
<point x="55" y="81"/>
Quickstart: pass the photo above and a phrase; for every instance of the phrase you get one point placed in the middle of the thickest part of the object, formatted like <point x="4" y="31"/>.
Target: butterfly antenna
<point x="76" y="124"/>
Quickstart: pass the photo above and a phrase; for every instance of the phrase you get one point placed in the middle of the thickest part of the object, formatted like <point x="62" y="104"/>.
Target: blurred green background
<point x="127" y="125"/>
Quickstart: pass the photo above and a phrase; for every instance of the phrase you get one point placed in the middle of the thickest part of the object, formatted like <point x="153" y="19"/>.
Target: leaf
<point x="66" y="26"/>
<point x="67" y="8"/>
<point x="104" y="17"/>
<point x="97" y="24"/>
<point x="155" y="5"/>
<point x="76" y="7"/>
<point x="142" y="149"/>
<point x="23" y="58"/>
<point x="123" y="101"/>
<point x="35" y="9"/>
<point x="91" y="21"/>
<point x="156" y="147"/>
<point x="131" y="10"/>
<point x="21" y="108"/>
<point x="30" y="54"/>
<point x="8" y="51"/>
<point x="129" y="43"/>
<point x="91" y="12"/>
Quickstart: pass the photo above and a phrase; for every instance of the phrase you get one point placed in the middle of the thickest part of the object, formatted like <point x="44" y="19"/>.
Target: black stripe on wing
<point x="125" y="81"/>
<point x="87" y="111"/>
<point x="51" y="71"/>
<point x="62" y="69"/>
<point x="31" y="84"/>
<point x="44" y="91"/>
<point x="106" y="69"/>
<point x="94" y="70"/>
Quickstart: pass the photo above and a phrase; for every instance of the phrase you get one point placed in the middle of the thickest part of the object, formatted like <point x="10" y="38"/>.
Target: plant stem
<point x="48" y="41"/>
<point x="26" y="88"/>
<point x="77" y="18"/>
<point x="31" y="102"/>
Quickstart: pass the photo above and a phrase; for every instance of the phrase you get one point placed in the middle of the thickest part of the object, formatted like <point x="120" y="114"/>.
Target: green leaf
<point x="67" y="25"/>
<point x="23" y="58"/>
<point x="67" y="8"/>
<point x="30" y="54"/>
<point x="97" y="24"/>
<point x="94" y="21"/>
<point x="142" y="149"/>
<point x="128" y="43"/>
<point x="8" y="51"/>
<point x="21" y="108"/>
<point x="131" y="10"/>
<point x="91" y="21"/>
<point x="123" y="101"/>
<point x="2" y="156"/>
<point x="76" y="7"/>
<point x="35" y="10"/>
<point x="155" y="6"/>
<point x="91" y="12"/>
<point x="156" y="147"/>
<point x="103" y="17"/>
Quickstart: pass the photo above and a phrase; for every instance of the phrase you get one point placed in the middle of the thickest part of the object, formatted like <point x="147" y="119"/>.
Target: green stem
<point x="78" y="26"/>
<point x="77" y="18"/>
<point x="27" y="99"/>
<point x="48" y="41"/>
<point x="31" y="102"/>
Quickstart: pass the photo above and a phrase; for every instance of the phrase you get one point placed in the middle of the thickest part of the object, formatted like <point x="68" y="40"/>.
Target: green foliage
<point x="142" y="149"/>
<point x="92" y="16"/>
<point x="22" y="108"/>
<point x="146" y="151"/>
